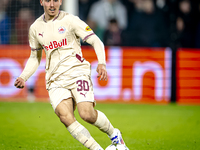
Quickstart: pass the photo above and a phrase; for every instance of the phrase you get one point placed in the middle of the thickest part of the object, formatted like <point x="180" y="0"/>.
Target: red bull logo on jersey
<point x="61" y="30"/>
<point x="55" y="44"/>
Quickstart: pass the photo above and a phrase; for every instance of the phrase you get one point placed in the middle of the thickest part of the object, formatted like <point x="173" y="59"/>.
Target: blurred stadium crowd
<point x="141" y="23"/>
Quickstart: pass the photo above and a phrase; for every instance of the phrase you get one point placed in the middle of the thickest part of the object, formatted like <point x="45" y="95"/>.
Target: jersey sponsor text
<point x="55" y="44"/>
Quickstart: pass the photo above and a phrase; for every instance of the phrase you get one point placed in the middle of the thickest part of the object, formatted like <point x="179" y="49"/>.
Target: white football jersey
<point x="60" y="38"/>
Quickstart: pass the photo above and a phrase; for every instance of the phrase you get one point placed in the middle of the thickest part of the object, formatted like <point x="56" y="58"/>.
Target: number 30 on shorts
<point x="82" y="85"/>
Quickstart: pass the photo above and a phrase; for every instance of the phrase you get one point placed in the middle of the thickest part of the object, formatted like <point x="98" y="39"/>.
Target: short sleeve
<point x="81" y="29"/>
<point x="33" y="42"/>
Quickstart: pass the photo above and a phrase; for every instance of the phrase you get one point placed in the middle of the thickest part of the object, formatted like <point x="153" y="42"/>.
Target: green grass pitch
<point x="34" y="126"/>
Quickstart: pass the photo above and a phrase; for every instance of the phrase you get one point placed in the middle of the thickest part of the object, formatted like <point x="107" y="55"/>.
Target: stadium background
<point x="137" y="74"/>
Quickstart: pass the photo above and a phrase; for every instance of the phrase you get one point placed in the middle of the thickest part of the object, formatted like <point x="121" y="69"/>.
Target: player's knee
<point x="88" y="116"/>
<point x="66" y="119"/>
<point x="63" y="119"/>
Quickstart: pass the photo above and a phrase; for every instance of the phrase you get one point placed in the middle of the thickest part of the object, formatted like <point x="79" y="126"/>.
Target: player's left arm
<point x="83" y="31"/>
<point x="100" y="52"/>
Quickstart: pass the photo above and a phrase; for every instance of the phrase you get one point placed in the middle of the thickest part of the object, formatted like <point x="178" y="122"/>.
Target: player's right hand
<point x="19" y="83"/>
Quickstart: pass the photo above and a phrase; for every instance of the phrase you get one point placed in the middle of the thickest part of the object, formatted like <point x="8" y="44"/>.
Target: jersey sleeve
<point x="32" y="64"/>
<point x="33" y="42"/>
<point x="81" y="29"/>
<point x="35" y="57"/>
<point x="98" y="47"/>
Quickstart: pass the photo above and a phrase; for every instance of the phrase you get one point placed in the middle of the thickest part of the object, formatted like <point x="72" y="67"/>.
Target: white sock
<point x="81" y="134"/>
<point x="103" y="123"/>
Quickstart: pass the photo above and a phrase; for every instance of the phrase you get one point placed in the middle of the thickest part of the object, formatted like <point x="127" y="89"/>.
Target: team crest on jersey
<point x="88" y="28"/>
<point x="61" y="30"/>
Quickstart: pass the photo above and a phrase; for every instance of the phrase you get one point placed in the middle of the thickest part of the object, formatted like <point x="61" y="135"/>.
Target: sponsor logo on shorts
<point x="61" y="30"/>
<point x="55" y="44"/>
<point x="83" y="94"/>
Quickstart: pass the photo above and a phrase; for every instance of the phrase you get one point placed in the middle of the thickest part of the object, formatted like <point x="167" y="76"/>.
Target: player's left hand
<point x="102" y="73"/>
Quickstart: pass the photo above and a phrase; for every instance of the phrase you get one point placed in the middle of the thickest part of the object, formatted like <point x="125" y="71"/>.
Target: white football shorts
<point x="80" y="91"/>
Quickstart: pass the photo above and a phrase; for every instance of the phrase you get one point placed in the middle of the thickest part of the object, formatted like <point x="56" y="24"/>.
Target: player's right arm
<point x="31" y="66"/>
<point x="33" y="61"/>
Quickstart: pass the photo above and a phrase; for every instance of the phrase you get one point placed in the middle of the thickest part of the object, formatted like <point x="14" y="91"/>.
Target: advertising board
<point x="188" y="76"/>
<point x="136" y="75"/>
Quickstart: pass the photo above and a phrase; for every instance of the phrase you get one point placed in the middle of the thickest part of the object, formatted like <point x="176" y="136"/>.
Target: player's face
<point x="51" y="8"/>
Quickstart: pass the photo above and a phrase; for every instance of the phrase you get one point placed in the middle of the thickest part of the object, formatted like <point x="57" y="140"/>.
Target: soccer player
<point x="68" y="78"/>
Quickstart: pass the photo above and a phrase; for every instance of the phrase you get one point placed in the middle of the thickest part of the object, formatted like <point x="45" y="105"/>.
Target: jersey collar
<point x="53" y="19"/>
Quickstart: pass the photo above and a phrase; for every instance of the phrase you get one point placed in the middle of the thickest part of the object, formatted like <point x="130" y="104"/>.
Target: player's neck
<point x="48" y="17"/>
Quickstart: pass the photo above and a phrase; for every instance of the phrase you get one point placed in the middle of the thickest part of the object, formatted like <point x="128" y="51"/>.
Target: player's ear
<point x="60" y="2"/>
<point x="41" y="2"/>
